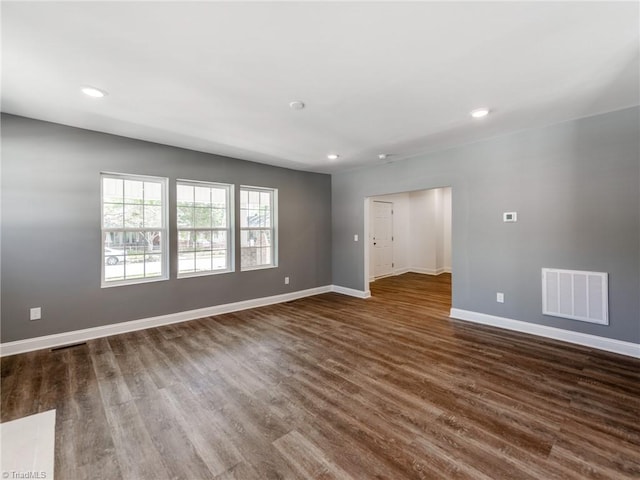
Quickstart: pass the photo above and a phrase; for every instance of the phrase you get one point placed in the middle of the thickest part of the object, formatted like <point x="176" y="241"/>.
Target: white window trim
<point x="230" y="228"/>
<point x="164" y="230"/>
<point x="274" y="228"/>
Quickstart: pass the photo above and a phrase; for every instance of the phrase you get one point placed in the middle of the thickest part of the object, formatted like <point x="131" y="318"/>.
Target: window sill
<point x="124" y="283"/>
<point x="260" y="267"/>
<point x="202" y="274"/>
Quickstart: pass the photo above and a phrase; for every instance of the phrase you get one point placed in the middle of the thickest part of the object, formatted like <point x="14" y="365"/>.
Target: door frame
<point x="367" y="230"/>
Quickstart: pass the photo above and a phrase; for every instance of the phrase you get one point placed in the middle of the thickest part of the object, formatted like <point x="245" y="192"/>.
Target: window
<point x="257" y="227"/>
<point x="204" y="228"/>
<point x="134" y="229"/>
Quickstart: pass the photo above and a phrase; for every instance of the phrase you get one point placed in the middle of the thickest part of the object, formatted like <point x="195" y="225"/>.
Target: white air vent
<point x="576" y="295"/>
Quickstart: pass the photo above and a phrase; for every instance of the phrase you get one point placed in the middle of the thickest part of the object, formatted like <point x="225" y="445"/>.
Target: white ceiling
<point x="398" y="78"/>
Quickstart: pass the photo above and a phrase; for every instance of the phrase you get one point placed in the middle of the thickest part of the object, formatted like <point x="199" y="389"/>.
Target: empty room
<point x="320" y="240"/>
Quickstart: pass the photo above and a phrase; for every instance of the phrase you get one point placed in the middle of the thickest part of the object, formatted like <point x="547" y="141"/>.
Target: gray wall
<point x="51" y="229"/>
<point x="576" y="188"/>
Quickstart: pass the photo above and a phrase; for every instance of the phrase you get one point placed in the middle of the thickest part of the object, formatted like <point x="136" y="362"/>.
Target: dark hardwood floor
<point x="334" y="387"/>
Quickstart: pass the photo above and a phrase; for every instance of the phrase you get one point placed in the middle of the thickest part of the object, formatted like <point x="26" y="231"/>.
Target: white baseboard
<point x="400" y="271"/>
<point x="594" y="341"/>
<point x="351" y="291"/>
<point x="77" y="336"/>
<point x="428" y="271"/>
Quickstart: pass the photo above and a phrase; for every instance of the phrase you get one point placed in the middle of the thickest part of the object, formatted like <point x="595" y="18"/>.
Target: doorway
<point x="408" y="232"/>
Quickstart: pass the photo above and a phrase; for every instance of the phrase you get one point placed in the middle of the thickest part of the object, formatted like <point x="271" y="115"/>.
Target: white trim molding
<point x="351" y="291"/>
<point x="601" y="343"/>
<point x="428" y="271"/>
<point x="401" y="271"/>
<point x="77" y="336"/>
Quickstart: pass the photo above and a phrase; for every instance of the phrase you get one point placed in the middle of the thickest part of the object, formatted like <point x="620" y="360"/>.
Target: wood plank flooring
<point x="333" y="387"/>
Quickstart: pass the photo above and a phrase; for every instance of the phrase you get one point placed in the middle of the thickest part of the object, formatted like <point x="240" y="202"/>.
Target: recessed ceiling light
<point x="93" y="92"/>
<point x="383" y="156"/>
<point x="296" y="105"/>
<point x="479" y="112"/>
<point x="333" y="156"/>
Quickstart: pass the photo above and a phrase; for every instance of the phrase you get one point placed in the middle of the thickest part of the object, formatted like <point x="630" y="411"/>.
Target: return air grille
<point x="576" y="295"/>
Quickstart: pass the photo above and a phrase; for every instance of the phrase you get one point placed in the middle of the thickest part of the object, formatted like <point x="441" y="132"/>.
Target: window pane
<point x="134" y="243"/>
<point x="203" y="196"/>
<point x="152" y="193"/>
<point x="219" y="246"/>
<point x="186" y="241"/>
<point x="186" y="262"/>
<point x="218" y="240"/>
<point x="219" y="197"/>
<point x="153" y="241"/>
<point x="203" y="241"/>
<point x="203" y="261"/>
<point x="113" y="215"/>
<point x="133" y="216"/>
<point x="219" y="218"/>
<point x="254" y="199"/>
<point x="133" y="191"/>
<point x="114" y="272"/>
<point x="256" y="247"/>
<point x="185" y="195"/>
<point x="152" y="216"/>
<point x="264" y="217"/>
<point x="185" y="217"/>
<point x="112" y="190"/>
<point x="114" y="240"/>
<point x="244" y="218"/>
<point x="113" y="256"/>
<point x="244" y="199"/>
<point x="133" y="266"/>
<point x="153" y="265"/>
<point x="219" y="259"/>
<point x="265" y="199"/>
<point x="202" y="217"/>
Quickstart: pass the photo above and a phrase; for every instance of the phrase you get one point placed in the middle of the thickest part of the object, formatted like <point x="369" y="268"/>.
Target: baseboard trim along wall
<point x="351" y="291"/>
<point x="601" y="343"/>
<point x="429" y="271"/>
<point x="77" y="336"/>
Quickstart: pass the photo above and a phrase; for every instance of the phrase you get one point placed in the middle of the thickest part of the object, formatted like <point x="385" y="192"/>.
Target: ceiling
<point x="396" y="78"/>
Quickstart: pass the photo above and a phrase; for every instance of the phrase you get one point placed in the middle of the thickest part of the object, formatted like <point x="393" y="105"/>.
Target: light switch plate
<point x="35" y="313"/>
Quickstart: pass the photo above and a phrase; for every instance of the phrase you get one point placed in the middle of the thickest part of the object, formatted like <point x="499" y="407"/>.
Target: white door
<point x="382" y="240"/>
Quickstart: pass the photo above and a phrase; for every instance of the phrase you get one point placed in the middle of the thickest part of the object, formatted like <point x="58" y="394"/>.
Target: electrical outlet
<point x="286" y="280"/>
<point x="35" y="313"/>
<point x="355" y="237"/>
<point x="500" y="297"/>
